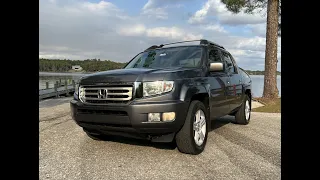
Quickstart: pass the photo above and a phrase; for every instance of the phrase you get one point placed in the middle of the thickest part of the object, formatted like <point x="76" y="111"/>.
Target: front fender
<point x="189" y="90"/>
<point x="200" y="90"/>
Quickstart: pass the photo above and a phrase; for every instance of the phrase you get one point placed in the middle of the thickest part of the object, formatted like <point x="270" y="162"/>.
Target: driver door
<point x="218" y="86"/>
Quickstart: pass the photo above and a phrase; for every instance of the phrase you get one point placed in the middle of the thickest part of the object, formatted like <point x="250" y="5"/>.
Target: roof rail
<point x="154" y="47"/>
<point x="202" y="41"/>
<point x="179" y="42"/>
<point x="161" y="45"/>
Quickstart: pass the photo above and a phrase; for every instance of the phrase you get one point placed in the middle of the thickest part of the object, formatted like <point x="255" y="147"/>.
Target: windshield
<point x="168" y="58"/>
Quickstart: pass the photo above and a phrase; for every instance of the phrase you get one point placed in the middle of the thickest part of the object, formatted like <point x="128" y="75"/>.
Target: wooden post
<point x="74" y="84"/>
<point x="66" y="87"/>
<point x="60" y="82"/>
<point x="56" y="89"/>
<point x="47" y="85"/>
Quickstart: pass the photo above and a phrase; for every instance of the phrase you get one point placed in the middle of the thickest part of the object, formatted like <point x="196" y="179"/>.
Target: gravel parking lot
<point x="232" y="152"/>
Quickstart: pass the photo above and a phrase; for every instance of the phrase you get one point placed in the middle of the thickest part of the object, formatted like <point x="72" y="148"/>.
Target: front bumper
<point x="129" y="119"/>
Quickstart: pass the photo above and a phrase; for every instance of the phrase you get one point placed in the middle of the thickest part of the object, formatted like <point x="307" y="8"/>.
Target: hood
<point x="139" y="75"/>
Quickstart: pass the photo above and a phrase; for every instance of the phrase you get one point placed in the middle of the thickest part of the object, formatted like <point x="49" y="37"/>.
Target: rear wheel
<point x="244" y="113"/>
<point x="192" y="137"/>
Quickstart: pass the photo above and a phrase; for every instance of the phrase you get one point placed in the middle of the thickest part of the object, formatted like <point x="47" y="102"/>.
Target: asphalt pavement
<point x="232" y="152"/>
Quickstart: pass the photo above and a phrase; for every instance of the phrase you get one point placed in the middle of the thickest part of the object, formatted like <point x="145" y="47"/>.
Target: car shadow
<point x="139" y="142"/>
<point x="215" y="124"/>
<point x="218" y="123"/>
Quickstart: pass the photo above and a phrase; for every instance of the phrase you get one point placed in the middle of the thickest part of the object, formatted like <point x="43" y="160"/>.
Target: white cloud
<point x="133" y="30"/>
<point x="70" y="29"/>
<point x="152" y="4"/>
<point x="247" y="51"/>
<point x="258" y="29"/>
<point x="215" y="27"/>
<point x="201" y="14"/>
<point x="215" y="8"/>
<point x="255" y="43"/>
<point x="159" y="8"/>
<point x="173" y="33"/>
<point x="158" y="13"/>
<point x="98" y="7"/>
<point x="160" y="3"/>
<point x="62" y="52"/>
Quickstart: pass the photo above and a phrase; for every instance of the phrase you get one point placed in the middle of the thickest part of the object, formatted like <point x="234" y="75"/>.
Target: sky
<point x="117" y="30"/>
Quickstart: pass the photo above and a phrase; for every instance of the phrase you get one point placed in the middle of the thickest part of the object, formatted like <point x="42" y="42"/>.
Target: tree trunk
<point x="270" y="77"/>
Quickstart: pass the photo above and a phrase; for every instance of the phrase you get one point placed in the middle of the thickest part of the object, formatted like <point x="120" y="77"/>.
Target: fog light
<point x="153" y="117"/>
<point x="168" y="116"/>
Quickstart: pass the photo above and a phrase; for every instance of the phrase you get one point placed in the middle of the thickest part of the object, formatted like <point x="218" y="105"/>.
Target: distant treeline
<point x="89" y="65"/>
<point x="259" y="72"/>
<point x="93" y="65"/>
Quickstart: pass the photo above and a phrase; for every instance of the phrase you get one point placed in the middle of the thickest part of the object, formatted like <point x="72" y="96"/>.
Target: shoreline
<point x="82" y="72"/>
<point x="62" y="73"/>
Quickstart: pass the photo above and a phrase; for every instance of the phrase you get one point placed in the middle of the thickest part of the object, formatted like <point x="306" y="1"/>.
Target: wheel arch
<point x="249" y="94"/>
<point x="198" y="92"/>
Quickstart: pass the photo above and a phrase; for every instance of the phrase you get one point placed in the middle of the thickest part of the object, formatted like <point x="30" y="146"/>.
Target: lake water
<point x="257" y="81"/>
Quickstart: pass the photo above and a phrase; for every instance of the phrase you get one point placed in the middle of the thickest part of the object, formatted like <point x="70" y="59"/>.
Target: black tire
<point x="96" y="137"/>
<point x="240" y="116"/>
<point x="185" y="137"/>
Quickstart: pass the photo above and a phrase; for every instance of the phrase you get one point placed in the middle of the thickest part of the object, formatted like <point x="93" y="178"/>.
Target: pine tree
<point x="270" y="89"/>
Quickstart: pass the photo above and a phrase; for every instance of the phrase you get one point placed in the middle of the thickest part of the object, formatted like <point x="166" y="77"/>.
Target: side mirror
<point x="216" y="67"/>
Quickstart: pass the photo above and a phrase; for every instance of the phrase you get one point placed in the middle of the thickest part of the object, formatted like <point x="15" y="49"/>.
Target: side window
<point x="234" y="63"/>
<point x="229" y="64"/>
<point x="214" y="55"/>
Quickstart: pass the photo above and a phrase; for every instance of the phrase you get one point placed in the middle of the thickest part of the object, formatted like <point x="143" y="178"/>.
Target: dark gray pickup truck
<point x="168" y="93"/>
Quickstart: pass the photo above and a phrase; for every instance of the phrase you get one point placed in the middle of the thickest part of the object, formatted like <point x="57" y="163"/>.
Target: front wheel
<point x="244" y="113"/>
<point x="192" y="137"/>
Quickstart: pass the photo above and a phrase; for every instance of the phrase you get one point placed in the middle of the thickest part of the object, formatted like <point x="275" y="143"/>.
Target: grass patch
<point x="270" y="106"/>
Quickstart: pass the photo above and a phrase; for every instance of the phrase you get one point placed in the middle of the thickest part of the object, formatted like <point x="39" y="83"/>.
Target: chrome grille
<point x="106" y="95"/>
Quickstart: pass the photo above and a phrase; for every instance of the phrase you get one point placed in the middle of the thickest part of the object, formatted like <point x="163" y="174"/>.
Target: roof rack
<point x="202" y="41"/>
<point x="153" y="47"/>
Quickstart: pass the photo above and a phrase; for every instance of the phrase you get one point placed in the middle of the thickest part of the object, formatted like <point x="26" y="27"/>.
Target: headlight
<point x="81" y="93"/>
<point x="157" y="87"/>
